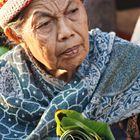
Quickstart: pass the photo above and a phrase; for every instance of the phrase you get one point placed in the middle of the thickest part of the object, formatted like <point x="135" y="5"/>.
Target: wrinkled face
<point x="56" y="33"/>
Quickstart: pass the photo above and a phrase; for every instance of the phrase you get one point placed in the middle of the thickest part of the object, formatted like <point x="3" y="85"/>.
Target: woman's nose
<point x="64" y="30"/>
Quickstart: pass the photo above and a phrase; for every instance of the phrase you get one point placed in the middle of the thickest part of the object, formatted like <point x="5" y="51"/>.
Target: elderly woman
<point x="58" y="64"/>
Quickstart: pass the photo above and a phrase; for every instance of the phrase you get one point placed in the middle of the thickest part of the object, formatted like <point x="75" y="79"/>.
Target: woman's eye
<point x="73" y="11"/>
<point x="45" y="24"/>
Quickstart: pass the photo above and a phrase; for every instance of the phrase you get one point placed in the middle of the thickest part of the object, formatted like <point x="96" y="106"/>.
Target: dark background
<point x="126" y="4"/>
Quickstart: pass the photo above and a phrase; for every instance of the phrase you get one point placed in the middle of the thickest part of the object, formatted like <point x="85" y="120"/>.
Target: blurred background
<point x="113" y="15"/>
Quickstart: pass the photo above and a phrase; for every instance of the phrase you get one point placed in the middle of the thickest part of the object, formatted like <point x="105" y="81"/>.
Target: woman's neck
<point x="63" y="74"/>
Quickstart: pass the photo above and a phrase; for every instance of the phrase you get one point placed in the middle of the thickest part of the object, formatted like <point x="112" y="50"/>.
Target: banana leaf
<point x="70" y="120"/>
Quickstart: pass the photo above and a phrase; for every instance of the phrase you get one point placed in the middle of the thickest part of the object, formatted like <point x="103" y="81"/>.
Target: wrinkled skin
<point x="56" y="33"/>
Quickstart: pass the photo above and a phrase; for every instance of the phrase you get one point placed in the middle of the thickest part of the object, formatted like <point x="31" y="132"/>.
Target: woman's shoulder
<point x="11" y="65"/>
<point x="100" y="46"/>
<point x="101" y="42"/>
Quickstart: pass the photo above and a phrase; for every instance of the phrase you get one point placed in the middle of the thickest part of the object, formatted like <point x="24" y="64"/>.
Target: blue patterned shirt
<point x="106" y="87"/>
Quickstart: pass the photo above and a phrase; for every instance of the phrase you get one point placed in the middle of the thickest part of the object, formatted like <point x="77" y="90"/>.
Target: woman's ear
<point x="12" y="35"/>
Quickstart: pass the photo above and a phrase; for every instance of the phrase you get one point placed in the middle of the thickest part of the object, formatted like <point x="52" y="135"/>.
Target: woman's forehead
<point x="51" y="3"/>
<point x="52" y="7"/>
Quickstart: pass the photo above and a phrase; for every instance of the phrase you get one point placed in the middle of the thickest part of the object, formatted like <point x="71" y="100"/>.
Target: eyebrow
<point x="38" y="14"/>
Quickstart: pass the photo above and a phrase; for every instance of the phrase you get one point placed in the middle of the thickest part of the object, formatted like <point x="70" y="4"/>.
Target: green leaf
<point x="72" y="124"/>
<point x="70" y="120"/>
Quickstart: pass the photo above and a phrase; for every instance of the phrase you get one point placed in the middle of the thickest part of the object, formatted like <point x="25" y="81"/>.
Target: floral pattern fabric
<point x="106" y="87"/>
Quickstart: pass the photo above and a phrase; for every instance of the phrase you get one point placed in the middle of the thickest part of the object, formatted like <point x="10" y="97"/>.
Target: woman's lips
<point x="72" y="51"/>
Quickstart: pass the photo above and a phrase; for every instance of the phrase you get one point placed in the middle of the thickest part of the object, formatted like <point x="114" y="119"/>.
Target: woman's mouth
<point x="71" y="52"/>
